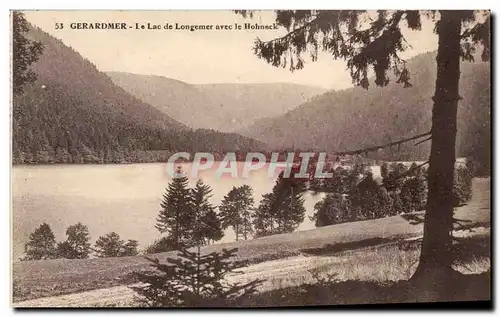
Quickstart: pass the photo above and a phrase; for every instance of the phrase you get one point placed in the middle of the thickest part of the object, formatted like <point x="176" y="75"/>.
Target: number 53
<point x="59" y="26"/>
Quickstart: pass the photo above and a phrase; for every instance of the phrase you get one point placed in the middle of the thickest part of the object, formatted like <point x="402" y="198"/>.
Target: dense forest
<point x="356" y="118"/>
<point x="73" y="113"/>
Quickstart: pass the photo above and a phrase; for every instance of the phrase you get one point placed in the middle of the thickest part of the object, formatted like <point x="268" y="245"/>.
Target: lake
<point x="124" y="198"/>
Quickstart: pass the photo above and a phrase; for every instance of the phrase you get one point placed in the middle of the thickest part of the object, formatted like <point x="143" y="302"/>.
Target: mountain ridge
<point x="74" y="113"/>
<point x="221" y="106"/>
<point x="355" y="117"/>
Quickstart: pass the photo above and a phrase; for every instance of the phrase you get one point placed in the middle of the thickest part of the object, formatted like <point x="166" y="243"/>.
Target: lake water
<point x="124" y="198"/>
<point x="121" y="198"/>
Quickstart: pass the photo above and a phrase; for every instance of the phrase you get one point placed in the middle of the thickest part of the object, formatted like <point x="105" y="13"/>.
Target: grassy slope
<point x="51" y="277"/>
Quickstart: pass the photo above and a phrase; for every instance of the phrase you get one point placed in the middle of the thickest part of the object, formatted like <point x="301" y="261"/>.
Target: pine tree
<point x="41" y="244"/>
<point x="77" y="244"/>
<point x="208" y="228"/>
<point x="282" y="210"/>
<point x="236" y="211"/>
<point x="264" y="219"/>
<point x="376" y="45"/>
<point x="193" y="280"/>
<point x="288" y="203"/>
<point x="176" y="216"/>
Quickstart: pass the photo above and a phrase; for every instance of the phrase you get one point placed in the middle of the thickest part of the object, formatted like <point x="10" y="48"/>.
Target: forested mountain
<point x="355" y="117"/>
<point x="73" y="113"/>
<point x="223" y="107"/>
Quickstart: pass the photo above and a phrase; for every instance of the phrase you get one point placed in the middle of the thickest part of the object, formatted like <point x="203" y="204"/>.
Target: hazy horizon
<point x="226" y="56"/>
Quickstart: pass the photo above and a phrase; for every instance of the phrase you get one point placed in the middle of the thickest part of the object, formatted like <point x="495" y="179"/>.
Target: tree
<point x="264" y="219"/>
<point x="369" y="200"/>
<point x="237" y="210"/>
<point x="193" y="280"/>
<point x="77" y="244"/>
<point x="41" y="244"/>
<point x="393" y="176"/>
<point x="288" y="204"/>
<point x="332" y="209"/>
<point x="212" y="226"/>
<point x="24" y="53"/>
<point x="207" y="226"/>
<point x="462" y="186"/>
<point x="368" y="42"/>
<point x="414" y="191"/>
<point x="176" y="216"/>
<point x="282" y="210"/>
<point x="109" y="245"/>
<point x="130" y="248"/>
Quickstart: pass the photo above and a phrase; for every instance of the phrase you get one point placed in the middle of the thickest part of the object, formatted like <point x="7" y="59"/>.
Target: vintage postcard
<point x="274" y="158"/>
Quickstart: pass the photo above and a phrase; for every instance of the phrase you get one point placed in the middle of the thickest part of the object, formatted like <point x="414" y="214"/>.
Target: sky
<point x="198" y="57"/>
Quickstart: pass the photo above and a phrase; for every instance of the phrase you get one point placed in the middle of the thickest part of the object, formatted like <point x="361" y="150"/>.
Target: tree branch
<point x="422" y="141"/>
<point x="378" y="147"/>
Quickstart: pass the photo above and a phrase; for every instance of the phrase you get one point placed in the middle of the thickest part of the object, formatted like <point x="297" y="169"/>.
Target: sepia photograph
<point x="250" y="158"/>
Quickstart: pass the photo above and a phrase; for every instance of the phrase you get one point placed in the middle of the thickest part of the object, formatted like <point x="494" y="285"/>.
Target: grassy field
<point x="373" y="266"/>
<point x="36" y="279"/>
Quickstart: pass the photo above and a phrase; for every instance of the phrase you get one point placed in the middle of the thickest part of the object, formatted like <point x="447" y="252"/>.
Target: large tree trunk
<point x="436" y="258"/>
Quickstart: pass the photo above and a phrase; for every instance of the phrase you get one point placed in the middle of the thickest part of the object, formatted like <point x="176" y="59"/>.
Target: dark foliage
<point x="462" y="186"/>
<point x="163" y="244"/>
<point x="282" y="210"/>
<point x="193" y="280"/>
<point x="41" y="244"/>
<point x="176" y="218"/>
<point x="334" y="208"/>
<point x="24" y="53"/>
<point x="207" y="225"/>
<point x="110" y="245"/>
<point x="77" y="244"/>
<point x="236" y="210"/>
<point x="73" y="113"/>
<point x="403" y="190"/>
